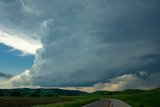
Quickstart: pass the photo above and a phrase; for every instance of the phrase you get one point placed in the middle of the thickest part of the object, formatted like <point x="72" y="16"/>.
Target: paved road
<point x="119" y="103"/>
<point x="99" y="103"/>
<point x="108" y="103"/>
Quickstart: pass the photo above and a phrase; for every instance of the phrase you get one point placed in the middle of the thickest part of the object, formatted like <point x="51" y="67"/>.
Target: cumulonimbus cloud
<point x="87" y="43"/>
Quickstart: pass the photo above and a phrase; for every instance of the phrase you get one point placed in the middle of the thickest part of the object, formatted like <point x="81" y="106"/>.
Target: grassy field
<point x="30" y="101"/>
<point x="78" y="103"/>
<point x="62" y="101"/>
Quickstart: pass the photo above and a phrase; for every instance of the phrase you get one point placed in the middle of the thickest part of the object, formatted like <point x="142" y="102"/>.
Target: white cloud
<point x="23" y="44"/>
<point x="21" y="80"/>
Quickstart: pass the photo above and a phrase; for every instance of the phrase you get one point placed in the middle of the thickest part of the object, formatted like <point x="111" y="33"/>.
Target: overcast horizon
<point x="85" y="45"/>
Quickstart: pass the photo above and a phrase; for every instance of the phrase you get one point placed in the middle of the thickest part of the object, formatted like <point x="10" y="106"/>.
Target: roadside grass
<point x="149" y="98"/>
<point x="61" y="101"/>
<point x="78" y="103"/>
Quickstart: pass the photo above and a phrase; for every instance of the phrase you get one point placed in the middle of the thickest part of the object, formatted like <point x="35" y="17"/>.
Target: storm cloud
<point x="90" y="42"/>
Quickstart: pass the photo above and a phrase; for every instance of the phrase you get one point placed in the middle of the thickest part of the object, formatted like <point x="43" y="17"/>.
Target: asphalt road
<point x="108" y="103"/>
<point x="119" y="103"/>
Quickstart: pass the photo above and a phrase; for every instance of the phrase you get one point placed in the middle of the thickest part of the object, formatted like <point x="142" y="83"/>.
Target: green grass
<point x="30" y="101"/>
<point x="149" y="98"/>
<point x="61" y="101"/>
<point x="78" y="103"/>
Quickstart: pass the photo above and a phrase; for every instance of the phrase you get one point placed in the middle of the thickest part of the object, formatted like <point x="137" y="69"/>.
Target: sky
<point x="85" y="45"/>
<point x="12" y="63"/>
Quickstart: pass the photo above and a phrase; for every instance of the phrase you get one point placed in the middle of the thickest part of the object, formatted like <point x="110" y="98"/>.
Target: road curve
<point x="108" y="103"/>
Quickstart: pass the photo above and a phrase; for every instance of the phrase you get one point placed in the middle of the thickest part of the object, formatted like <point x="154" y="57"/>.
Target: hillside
<point x="140" y="98"/>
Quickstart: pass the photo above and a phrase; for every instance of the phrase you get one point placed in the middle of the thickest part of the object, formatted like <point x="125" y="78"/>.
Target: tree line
<point x="25" y="92"/>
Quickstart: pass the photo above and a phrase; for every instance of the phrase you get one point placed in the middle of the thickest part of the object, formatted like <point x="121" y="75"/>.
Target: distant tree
<point x="16" y="94"/>
<point x="36" y="93"/>
<point x="1" y="93"/>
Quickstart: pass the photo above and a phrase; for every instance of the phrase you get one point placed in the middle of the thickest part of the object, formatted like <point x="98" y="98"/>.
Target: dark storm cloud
<point x="88" y="42"/>
<point x="131" y="21"/>
<point x="93" y="42"/>
<point x="149" y="63"/>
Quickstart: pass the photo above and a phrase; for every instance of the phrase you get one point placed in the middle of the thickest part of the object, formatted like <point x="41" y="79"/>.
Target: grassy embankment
<point x="136" y="98"/>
